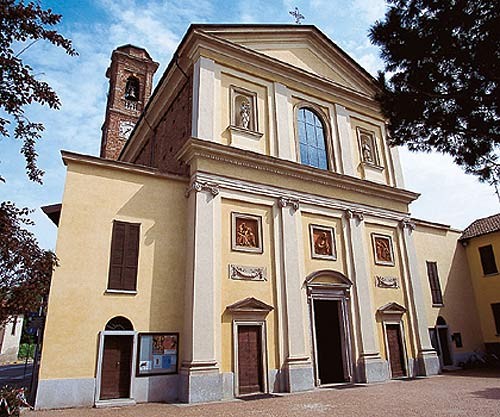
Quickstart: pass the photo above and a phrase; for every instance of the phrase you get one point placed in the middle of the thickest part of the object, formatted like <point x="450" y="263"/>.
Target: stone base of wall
<point x="65" y="393"/>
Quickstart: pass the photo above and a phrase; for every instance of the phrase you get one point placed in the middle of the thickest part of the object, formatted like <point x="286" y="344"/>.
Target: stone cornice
<point x="71" y="157"/>
<point x="196" y="148"/>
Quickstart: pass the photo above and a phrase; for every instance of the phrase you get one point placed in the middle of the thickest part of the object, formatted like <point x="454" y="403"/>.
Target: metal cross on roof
<point x="297" y="15"/>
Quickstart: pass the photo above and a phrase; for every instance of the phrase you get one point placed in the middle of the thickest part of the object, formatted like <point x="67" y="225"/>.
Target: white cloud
<point x="448" y="194"/>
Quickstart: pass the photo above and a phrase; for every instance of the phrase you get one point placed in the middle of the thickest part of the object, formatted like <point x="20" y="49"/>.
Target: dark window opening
<point x="311" y="132"/>
<point x="432" y="273"/>
<point x="496" y="315"/>
<point x="488" y="260"/>
<point x="124" y="256"/>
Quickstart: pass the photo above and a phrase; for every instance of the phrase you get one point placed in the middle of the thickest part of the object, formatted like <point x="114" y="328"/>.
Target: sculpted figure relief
<point x="322" y="244"/>
<point x="245" y="236"/>
<point x="245" y="114"/>
<point x="366" y="149"/>
<point x="383" y="250"/>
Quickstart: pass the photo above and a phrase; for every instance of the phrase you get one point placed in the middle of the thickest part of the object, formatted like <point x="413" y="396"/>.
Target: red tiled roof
<point x="481" y="227"/>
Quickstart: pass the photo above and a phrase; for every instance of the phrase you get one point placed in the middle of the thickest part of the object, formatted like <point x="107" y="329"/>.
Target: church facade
<point x="246" y="230"/>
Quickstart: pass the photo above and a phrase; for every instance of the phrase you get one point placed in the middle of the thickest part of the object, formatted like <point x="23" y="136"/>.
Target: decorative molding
<point x="247" y="273"/>
<point x="197" y="148"/>
<point x="198" y="186"/>
<point x="287" y="201"/>
<point x="250" y="305"/>
<point x="408" y="224"/>
<point x="386" y="282"/>
<point x="358" y="215"/>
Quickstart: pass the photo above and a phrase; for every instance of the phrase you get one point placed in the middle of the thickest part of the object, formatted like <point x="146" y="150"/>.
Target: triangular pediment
<point x="303" y="47"/>
<point x="392" y="308"/>
<point x="250" y="304"/>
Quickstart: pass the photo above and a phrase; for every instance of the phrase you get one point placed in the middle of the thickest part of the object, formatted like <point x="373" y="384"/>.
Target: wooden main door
<point x="250" y="378"/>
<point x="396" y="352"/>
<point x="116" y="367"/>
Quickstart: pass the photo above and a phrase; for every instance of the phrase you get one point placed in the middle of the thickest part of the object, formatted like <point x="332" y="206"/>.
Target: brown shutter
<point x="124" y="256"/>
<point x="432" y="273"/>
<point x="129" y="272"/>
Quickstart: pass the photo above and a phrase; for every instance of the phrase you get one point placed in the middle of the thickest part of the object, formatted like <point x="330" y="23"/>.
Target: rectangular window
<point x="124" y="256"/>
<point x="488" y="260"/>
<point x="432" y="273"/>
<point x="496" y="315"/>
<point x="157" y="353"/>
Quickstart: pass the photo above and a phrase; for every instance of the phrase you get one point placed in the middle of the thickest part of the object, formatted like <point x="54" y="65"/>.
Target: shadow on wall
<point x="459" y="310"/>
<point x="162" y="203"/>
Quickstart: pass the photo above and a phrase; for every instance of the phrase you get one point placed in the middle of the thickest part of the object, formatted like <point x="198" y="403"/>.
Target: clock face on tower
<point x="126" y="129"/>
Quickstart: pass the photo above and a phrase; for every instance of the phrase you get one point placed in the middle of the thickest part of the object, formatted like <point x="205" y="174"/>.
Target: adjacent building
<point x="482" y="241"/>
<point x="245" y="230"/>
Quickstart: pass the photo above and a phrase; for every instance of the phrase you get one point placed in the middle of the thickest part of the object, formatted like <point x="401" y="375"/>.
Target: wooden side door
<point x="116" y="367"/>
<point x="250" y="379"/>
<point x="396" y="353"/>
<point x="445" y="347"/>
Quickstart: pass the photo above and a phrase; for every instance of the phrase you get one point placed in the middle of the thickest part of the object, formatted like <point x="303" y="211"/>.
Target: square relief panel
<point x="322" y="242"/>
<point x="246" y="233"/>
<point x="382" y="249"/>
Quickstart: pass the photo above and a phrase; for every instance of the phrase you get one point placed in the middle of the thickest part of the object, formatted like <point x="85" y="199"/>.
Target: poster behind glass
<point x="158" y="353"/>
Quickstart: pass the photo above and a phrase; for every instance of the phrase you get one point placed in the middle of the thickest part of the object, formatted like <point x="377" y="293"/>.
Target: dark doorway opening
<point x="396" y="352"/>
<point x="329" y="345"/>
<point x="250" y="380"/>
<point x="116" y="367"/>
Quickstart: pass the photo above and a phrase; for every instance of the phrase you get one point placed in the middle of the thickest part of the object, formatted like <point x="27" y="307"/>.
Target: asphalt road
<point x="16" y="375"/>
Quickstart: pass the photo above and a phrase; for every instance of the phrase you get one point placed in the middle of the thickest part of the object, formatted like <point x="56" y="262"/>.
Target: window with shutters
<point x="124" y="256"/>
<point x="432" y="273"/>
<point x="488" y="260"/>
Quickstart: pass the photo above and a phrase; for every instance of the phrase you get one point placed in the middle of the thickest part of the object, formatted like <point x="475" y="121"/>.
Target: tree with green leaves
<point x="440" y="89"/>
<point x="25" y="268"/>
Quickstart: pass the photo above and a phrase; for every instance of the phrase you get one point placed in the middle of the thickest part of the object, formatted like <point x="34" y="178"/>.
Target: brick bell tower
<point x="130" y="83"/>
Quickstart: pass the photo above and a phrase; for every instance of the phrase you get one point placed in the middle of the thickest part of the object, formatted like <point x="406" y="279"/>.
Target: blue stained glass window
<point x="311" y="139"/>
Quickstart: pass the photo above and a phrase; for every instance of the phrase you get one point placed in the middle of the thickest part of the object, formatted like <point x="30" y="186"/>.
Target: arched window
<point x="132" y="89"/>
<point x="119" y="323"/>
<point x="311" y="139"/>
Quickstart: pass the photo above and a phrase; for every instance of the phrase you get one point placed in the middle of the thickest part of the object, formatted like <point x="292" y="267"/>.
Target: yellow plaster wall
<point x="459" y="311"/>
<point x="233" y="291"/>
<point x="227" y="81"/>
<point x="78" y="307"/>
<point x="486" y="288"/>
<point x="311" y="264"/>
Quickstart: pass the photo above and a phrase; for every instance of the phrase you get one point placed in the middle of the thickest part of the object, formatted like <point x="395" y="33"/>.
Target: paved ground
<point x="16" y="375"/>
<point x="466" y="393"/>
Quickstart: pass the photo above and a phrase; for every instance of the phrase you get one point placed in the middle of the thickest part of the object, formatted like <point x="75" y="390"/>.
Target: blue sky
<point x="98" y="26"/>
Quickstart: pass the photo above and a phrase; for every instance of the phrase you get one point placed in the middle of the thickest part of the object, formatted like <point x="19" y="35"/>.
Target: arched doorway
<point x="328" y="296"/>
<point x="116" y="359"/>
<point x="440" y="341"/>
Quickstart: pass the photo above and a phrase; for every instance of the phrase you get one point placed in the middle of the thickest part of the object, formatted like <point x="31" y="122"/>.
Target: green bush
<point x="26" y="351"/>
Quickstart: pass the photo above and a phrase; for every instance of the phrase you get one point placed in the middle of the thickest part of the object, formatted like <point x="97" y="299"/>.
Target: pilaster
<point x="199" y="376"/>
<point x="344" y="130"/>
<point x="371" y="367"/>
<point x="298" y="367"/>
<point x="204" y="95"/>
<point x="284" y="134"/>
<point x="428" y="361"/>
